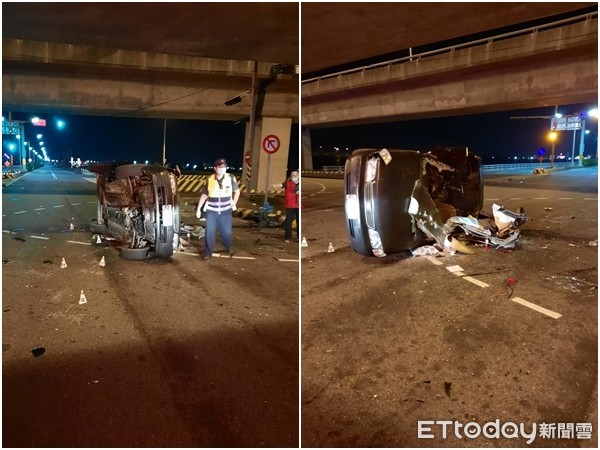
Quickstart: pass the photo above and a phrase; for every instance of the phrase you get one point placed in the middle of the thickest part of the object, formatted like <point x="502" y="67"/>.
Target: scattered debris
<point x="547" y="208"/>
<point x="447" y="387"/>
<point x="19" y="238"/>
<point x="63" y="264"/>
<point x="426" y="250"/>
<point x="5" y="261"/>
<point x="38" y="351"/>
<point x="47" y="262"/>
<point x="330" y="249"/>
<point x="593" y="243"/>
<point x="82" y="298"/>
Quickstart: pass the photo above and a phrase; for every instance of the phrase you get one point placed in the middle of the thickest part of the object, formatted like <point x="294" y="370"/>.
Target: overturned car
<point x="397" y="200"/>
<point x="139" y="206"/>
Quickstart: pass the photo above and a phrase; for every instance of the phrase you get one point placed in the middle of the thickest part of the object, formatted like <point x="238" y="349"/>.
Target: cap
<point x="220" y="162"/>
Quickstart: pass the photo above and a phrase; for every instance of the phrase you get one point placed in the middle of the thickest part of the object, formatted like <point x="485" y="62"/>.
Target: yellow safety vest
<point x="219" y="193"/>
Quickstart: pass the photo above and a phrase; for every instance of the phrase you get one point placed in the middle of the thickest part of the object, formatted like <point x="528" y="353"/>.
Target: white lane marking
<point x="454" y="269"/>
<point x="434" y="260"/>
<point x="77" y="242"/>
<point x="20" y="212"/>
<point x="288" y="260"/>
<point x="565" y="198"/>
<point x="74" y="204"/>
<point x="477" y="282"/>
<point x="53" y="175"/>
<point x="39" y="209"/>
<point x="537" y="308"/>
<point x="93" y="202"/>
<point x="314" y="182"/>
<point x="58" y="206"/>
<point x="459" y="274"/>
<point x="40" y="237"/>
<point x="6" y="231"/>
<point x="540" y="198"/>
<point x="188" y="253"/>
<point x="218" y="255"/>
<point x="491" y="199"/>
<point x="589" y="198"/>
<point x="517" y="198"/>
<point x="92" y="180"/>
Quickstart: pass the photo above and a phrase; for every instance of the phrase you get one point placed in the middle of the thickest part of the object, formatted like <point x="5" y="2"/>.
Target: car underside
<point x="139" y="206"/>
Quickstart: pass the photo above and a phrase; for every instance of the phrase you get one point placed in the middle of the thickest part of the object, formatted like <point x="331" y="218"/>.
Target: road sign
<point x="271" y="143"/>
<point x="36" y="121"/>
<point x="568" y="123"/>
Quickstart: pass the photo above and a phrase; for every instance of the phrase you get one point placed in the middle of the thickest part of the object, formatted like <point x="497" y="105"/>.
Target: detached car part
<point x="398" y="199"/>
<point x="139" y="206"/>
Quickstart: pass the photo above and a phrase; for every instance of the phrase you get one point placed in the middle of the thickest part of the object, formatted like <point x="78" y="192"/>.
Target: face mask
<point x="294" y="179"/>
<point x="221" y="170"/>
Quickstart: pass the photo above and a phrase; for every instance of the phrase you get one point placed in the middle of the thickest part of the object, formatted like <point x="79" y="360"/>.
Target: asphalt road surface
<point x="178" y="353"/>
<point x="388" y="342"/>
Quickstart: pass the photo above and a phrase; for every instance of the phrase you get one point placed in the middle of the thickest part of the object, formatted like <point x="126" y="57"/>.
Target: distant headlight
<point x="352" y="207"/>
<point x="376" y="244"/>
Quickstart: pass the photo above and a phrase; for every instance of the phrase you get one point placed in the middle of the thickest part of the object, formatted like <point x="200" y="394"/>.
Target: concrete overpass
<point x="545" y="66"/>
<point x="172" y="60"/>
<point x="162" y="60"/>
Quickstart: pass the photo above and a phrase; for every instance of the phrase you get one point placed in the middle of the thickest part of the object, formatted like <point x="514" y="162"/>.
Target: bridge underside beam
<point x="202" y="98"/>
<point x="564" y="82"/>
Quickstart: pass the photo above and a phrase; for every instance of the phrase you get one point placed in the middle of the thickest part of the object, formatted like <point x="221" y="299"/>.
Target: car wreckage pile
<point x="502" y="232"/>
<point x="399" y="200"/>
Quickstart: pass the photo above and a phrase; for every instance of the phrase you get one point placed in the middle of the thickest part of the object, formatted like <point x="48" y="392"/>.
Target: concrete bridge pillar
<point x="307" y="161"/>
<point x="267" y="163"/>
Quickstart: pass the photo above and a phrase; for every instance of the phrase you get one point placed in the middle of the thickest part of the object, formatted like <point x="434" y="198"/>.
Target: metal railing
<point x="485" y="167"/>
<point x="489" y="40"/>
<point x="333" y="168"/>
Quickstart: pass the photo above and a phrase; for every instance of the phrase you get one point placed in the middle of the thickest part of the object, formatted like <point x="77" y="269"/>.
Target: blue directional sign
<point x="541" y="151"/>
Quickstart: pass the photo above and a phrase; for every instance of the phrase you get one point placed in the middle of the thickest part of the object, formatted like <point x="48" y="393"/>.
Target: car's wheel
<point x="128" y="170"/>
<point x="134" y="254"/>
<point x="98" y="228"/>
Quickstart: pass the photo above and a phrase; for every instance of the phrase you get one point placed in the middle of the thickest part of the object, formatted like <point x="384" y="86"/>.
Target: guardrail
<point x="485" y="167"/>
<point x="484" y="41"/>
<point x="333" y="168"/>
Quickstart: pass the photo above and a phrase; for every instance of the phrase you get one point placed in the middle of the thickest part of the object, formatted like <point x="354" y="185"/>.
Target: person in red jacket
<point x="292" y="204"/>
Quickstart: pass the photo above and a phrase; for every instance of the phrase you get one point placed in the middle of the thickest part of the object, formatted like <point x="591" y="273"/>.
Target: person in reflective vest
<point x="218" y="200"/>
<point x="292" y="204"/>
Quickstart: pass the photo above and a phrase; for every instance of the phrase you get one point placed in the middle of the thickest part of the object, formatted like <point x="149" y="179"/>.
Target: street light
<point x="39" y="136"/>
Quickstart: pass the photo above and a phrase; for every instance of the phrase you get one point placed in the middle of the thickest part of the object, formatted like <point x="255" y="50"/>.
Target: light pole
<point x="164" y="155"/>
<point x="552" y="136"/>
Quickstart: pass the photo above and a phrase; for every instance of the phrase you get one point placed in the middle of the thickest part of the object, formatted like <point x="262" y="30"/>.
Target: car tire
<point x="98" y="228"/>
<point x="128" y="170"/>
<point x="134" y="254"/>
<point x="164" y="248"/>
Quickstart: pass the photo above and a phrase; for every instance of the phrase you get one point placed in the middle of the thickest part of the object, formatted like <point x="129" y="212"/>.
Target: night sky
<point x="107" y="139"/>
<point x="494" y="137"/>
